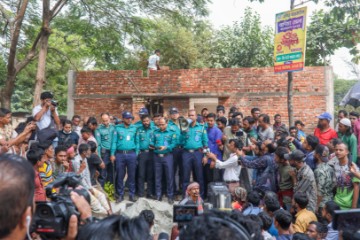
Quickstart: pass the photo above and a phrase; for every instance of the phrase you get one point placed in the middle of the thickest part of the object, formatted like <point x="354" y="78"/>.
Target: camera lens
<point x="44" y="211"/>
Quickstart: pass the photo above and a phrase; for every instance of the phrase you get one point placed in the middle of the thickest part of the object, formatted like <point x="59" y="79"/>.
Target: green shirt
<point x="351" y="143"/>
<point x="103" y="136"/>
<point x="143" y="136"/>
<point x="195" y="137"/>
<point x="165" y="138"/>
<point x="124" y="138"/>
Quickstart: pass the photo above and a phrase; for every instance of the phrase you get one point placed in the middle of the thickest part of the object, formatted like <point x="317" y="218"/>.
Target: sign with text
<point x="290" y="41"/>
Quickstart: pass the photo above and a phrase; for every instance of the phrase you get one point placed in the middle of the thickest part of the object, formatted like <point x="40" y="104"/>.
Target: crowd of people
<point x="286" y="182"/>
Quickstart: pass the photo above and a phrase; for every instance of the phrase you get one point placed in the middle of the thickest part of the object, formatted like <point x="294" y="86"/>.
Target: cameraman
<point x="17" y="200"/>
<point x="45" y="111"/>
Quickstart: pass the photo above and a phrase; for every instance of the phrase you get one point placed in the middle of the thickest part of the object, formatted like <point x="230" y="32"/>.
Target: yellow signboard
<point x="290" y="40"/>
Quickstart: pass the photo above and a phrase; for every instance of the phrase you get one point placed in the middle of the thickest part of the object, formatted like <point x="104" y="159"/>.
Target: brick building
<point x="93" y="92"/>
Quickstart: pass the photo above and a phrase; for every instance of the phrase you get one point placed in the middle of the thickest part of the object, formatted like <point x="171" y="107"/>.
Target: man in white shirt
<point x="231" y="166"/>
<point x="98" y="204"/>
<point x="42" y="113"/>
<point x="153" y="62"/>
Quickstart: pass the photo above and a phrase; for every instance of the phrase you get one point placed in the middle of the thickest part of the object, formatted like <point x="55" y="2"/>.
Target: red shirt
<point x="325" y="137"/>
<point x="39" y="188"/>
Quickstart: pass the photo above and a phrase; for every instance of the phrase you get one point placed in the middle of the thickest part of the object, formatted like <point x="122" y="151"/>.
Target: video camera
<point x="51" y="219"/>
<point x="54" y="103"/>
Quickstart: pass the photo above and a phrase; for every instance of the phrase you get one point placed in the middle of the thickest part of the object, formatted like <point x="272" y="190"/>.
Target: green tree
<point x="244" y="44"/>
<point x="27" y="30"/>
<point x="327" y="33"/>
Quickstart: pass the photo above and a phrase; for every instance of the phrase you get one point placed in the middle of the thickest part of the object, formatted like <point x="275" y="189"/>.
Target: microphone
<point x="218" y="142"/>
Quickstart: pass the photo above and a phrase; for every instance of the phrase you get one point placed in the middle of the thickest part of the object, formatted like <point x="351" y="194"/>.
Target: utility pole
<point x="290" y="86"/>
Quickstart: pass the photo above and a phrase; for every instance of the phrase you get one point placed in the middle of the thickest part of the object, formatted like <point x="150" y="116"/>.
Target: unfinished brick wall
<point x="115" y="91"/>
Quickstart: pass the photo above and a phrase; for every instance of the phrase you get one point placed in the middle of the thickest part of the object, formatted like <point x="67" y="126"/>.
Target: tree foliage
<point x="244" y="44"/>
<point x="27" y="27"/>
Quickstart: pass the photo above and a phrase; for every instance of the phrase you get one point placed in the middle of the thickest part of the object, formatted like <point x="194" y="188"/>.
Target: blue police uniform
<point x="177" y="155"/>
<point x="194" y="139"/>
<point x="164" y="159"/>
<point x="103" y="136"/>
<point x="145" y="161"/>
<point x="125" y="146"/>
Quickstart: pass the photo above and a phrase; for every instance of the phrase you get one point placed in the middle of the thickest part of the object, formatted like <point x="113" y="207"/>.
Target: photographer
<point x="232" y="169"/>
<point x="45" y="111"/>
<point x="17" y="201"/>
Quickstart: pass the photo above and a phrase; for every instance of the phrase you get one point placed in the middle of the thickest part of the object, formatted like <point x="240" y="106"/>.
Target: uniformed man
<point x="145" y="158"/>
<point x="177" y="151"/>
<point x="163" y="141"/>
<point x="143" y="112"/>
<point x="125" y="146"/>
<point x="103" y="136"/>
<point x="194" y="140"/>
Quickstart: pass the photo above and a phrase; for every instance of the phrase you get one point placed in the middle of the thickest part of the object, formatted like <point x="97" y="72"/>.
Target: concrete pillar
<point x="329" y="83"/>
<point x="71" y="76"/>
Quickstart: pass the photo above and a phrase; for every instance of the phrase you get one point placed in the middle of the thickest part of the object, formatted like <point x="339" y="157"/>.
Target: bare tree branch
<point x="30" y="55"/>
<point x="57" y="8"/>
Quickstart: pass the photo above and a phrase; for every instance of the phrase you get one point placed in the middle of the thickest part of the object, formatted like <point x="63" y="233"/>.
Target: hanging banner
<point x="290" y="41"/>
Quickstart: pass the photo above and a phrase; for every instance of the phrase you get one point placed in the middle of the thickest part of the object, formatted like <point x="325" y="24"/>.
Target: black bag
<point x="47" y="134"/>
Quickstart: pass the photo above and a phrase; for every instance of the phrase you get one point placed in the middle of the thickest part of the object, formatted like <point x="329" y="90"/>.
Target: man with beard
<point x="177" y="151"/>
<point x="323" y="131"/>
<point x="303" y="178"/>
<point x="193" y="197"/>
<point x="251" y="135"/>
<point x="145" y="158"/>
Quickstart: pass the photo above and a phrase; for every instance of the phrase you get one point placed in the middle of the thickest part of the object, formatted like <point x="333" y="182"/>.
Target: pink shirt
<point x="356" y="129"/>
<point x="91" y="139"/>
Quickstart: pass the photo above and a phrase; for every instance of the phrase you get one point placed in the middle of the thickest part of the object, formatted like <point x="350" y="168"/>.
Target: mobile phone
<point x="184" y="213"/>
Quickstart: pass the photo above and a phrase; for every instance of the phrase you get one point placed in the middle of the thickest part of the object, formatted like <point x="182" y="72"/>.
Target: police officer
<point x="177" y="152"/>
<point x="143" y="112"/>
<point x="194" y="140"/>
<point x="103" y="136"/>
<point x="125" y="146"/>
<point x="163" y="141"/>
<point x="145" y="158"/>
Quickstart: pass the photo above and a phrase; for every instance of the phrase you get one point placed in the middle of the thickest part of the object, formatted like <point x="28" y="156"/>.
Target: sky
<point x="225" y="12"/>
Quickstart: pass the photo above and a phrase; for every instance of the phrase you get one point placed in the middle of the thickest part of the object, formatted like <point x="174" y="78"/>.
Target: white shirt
<point x="45" y="119"/>
<point x="85" y="174"/>
<point x="152" y="61"/>
<point x="231" y="166"/>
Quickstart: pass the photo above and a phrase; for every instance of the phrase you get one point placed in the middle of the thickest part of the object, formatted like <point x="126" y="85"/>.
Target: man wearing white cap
<point x="347" y="137"/>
